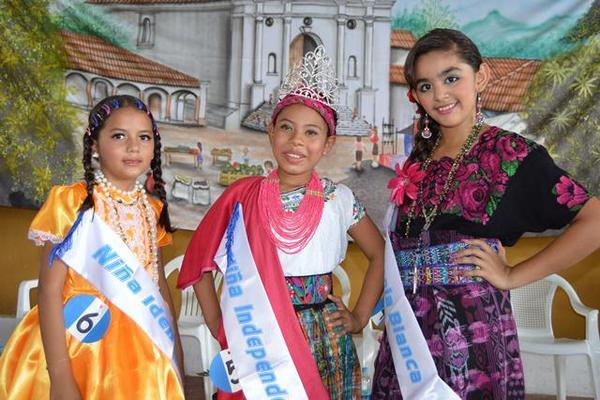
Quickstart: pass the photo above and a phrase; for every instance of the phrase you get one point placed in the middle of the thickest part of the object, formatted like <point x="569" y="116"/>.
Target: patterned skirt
<point x="336" y="357"/>
<point x="472" y="337"/>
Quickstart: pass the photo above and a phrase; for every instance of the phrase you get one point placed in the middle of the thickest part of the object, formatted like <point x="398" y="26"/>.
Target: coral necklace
<point x="290" y="230"/>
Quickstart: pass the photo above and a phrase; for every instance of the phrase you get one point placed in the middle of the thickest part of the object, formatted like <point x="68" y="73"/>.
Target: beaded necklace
<point x="430" y="215"/>
<point x="290" y="230"/>
<point x="137" y="194"/>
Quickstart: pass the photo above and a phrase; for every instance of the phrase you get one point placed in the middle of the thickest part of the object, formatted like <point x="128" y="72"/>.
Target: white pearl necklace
<point x="102" y="180"/>
<point x="106" y="187"/>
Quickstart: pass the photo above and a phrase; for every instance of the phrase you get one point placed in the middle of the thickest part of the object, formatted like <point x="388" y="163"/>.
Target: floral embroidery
<point x="481" y="180"/>
<point x="291" y="200"/>
<point x="570" y="193"/>
<point x="405" y="182"/>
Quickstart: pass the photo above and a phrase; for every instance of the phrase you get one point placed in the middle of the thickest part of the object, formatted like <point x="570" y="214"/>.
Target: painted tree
<point x="562" y="106"/>
<point x="81" y="17"/>
<point x="36" y="123"/>
<point x="587" y="26"/>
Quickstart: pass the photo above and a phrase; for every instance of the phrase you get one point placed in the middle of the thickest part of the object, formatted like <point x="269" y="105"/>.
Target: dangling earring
<point x="95" y="155"/>
<point x="479" y="117"/>
<point x="426" y="132"/>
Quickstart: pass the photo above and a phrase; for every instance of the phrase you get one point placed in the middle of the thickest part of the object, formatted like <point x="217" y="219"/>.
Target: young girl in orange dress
<point x="277" y="240"/>
<point x="103" y="327"/>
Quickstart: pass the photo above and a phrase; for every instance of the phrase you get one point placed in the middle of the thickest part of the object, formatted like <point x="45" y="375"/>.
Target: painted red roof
<point x="397" y="75"/>
<point x="509" y="81"/>
<point x="402" y="39"/>
<point x="91" y="54"/>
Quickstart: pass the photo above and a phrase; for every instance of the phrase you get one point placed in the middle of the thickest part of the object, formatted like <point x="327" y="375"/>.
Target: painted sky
<point x="531" y="11"/>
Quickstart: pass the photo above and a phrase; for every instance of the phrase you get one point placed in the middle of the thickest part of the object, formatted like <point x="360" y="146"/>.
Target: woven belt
<point x="314" y="306"/>
<point x="435" y="266"/>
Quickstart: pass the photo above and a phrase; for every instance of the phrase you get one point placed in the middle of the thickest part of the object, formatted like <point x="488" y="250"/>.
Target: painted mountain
<point x="499" y="36"/>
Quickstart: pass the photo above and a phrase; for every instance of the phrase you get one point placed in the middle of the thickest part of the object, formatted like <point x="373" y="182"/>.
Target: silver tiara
<point x="313" y="77"/>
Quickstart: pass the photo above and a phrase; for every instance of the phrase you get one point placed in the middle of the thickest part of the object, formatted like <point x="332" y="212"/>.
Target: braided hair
<point x="96" y="120"/>
<point x="436" y="40"/>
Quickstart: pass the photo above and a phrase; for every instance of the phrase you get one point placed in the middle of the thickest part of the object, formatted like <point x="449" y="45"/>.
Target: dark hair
<point x="96" y="120"/>
<point x="435" y="40"/>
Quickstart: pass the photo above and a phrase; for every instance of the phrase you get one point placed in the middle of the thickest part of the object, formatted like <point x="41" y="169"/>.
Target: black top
<point x="505" y="186"/>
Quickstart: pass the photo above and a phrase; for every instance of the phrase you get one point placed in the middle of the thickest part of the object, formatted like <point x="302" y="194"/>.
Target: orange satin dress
<point x="124" y="364"/>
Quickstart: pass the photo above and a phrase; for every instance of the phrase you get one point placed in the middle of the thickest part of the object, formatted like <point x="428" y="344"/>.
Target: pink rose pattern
<point x="570" y="193"/>
<point x="482" y="178"/>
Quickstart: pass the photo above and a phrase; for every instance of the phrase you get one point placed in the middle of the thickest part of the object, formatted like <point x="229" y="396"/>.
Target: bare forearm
<point x="370" y="292"/>
<point x="209" y="302"/>
<point x="369" y="240"/>
<point x="166" y="294"/>
<point x="52" y="325"/>
<point x="578" y="241"/>
<point x="53" y="332"/>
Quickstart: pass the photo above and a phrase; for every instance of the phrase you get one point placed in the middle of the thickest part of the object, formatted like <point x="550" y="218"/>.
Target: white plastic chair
<point x="342" y="276"/>
<point x="370" y="347"/>
<point x="532" y="307"/>
<point x="191" y="323"/>
<point x="23" y="303"/>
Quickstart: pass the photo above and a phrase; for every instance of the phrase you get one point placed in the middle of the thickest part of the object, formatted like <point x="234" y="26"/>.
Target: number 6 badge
<point x="86" y="318"/>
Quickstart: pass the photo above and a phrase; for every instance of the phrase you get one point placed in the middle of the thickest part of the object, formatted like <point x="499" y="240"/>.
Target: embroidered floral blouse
<point x="506" y="185"/>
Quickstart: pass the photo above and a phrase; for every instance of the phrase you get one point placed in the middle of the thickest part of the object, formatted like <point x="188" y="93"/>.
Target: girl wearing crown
<point x="277" y="240"/>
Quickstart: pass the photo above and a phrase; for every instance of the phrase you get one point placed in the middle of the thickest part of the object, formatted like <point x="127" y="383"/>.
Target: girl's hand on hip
<point x="341" y="321"/>
<point x="489" y="264"/>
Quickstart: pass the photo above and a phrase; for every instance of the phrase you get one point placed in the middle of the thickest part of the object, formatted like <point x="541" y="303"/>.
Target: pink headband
<point x="328" y="113"/>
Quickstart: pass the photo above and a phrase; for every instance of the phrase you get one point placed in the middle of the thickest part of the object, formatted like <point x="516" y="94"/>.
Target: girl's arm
<point x="579" y="240"/>
<point x="52" y="326"/>
<point x="209" y="302"/>
<point x="369" y="240"/>
<point x="163" y="286"/>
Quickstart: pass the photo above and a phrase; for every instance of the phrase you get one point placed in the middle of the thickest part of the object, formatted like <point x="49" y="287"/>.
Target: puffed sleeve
<point x="353" y="209"/>
<point x="57" y="214"/>
<point x="548" y="198"/>
<point x="163" y="238"/>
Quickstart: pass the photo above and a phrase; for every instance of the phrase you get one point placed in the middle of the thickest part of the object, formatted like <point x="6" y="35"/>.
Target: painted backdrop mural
<point x="210" y="71"/>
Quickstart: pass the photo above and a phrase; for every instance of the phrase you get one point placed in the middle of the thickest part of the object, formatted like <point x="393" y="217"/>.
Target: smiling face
<point x="447" y="87"/>
<point x="125" y="146"/>
<point x="299" y="140"/>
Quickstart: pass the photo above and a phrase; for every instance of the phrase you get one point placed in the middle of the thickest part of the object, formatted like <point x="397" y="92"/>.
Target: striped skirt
<point x="335" y="357"/>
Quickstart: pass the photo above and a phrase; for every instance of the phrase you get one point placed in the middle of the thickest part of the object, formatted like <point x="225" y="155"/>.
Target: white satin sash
<point x="99" y="255"/>
<point x="417" y="375"/>
<point x="264" y="365"/>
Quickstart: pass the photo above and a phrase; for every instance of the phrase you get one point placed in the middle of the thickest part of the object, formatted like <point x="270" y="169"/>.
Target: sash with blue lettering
<point x="99" y="255"/>
<point x="263" y="362"/>
<point x="415" y="369"/>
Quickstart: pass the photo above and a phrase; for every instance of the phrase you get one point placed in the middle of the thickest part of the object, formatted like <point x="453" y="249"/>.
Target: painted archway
<point x="302" y="44"/>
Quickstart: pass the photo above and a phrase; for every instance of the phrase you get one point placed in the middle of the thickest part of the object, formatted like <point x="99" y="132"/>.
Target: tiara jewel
<point x="314" y="77"/>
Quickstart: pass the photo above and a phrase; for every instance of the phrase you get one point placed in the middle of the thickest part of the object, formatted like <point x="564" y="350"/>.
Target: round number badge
<point x="86" y="318"/>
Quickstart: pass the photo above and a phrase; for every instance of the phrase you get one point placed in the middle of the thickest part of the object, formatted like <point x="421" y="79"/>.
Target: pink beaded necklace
<point x="290" y="230"/>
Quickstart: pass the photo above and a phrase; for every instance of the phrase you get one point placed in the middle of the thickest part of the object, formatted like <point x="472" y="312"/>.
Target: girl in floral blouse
<point x="476" y="189"/>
